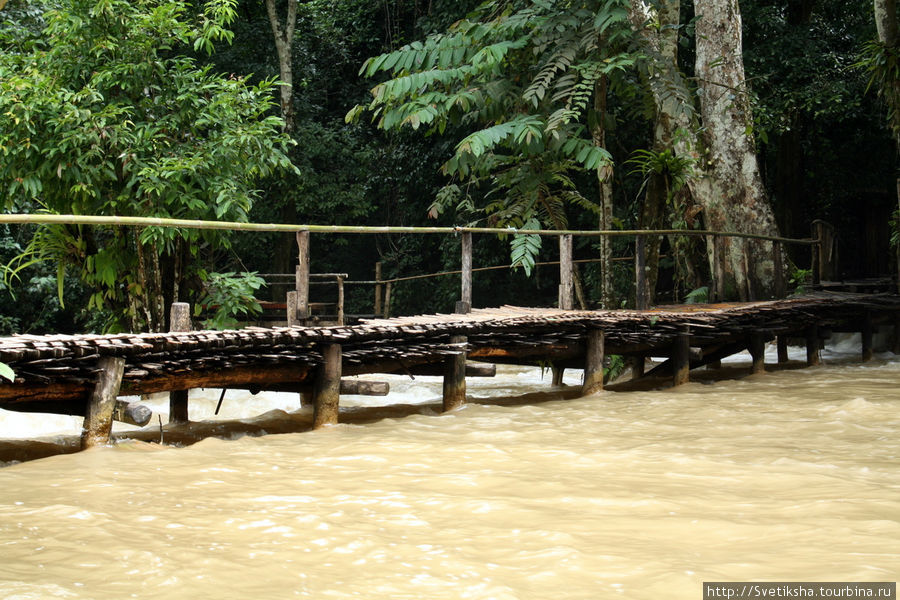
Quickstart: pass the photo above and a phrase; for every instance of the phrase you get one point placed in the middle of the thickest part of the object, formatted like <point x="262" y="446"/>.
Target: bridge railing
<point x="298" y="305"/>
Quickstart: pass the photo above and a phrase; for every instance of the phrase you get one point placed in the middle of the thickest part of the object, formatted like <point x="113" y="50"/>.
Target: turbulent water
<point x="788" y="476"/>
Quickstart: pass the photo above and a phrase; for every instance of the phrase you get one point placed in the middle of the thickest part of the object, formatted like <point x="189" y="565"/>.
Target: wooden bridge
<point x="83" y="375"/>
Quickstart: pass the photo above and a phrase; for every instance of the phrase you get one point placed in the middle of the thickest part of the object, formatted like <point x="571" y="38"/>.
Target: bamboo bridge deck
<point x="84" y="374"/>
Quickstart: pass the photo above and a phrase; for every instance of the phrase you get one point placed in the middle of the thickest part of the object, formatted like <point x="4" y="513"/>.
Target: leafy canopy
<point x="103" y="113"/>
<point x="516" y="80"/>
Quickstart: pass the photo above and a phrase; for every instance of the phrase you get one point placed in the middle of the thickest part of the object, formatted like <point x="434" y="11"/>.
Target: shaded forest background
<point x="824" y="149"/>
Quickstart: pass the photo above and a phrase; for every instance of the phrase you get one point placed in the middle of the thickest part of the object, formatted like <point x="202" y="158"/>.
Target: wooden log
<point x="812" y="346"/>
<point x="593" y="363"/>
<point x="464" y="305"/>
<point x="566" y="274"/>
<point x="782" y="349"/>
<point x="556" y="375"/>
<point x="757" y="348"/>
<point x="301" y="275"/>
<point x="681" y="358"/>
<point x="101" y="404"/>
<point x="179" y="320"/>
<point x="454" y="389"/>
<point x="641" y="286"/>
<point x="867" y="335"/>
<point x="327" y="388"/>
<point x="438" y="370"/>
<point x="133" y="413"/>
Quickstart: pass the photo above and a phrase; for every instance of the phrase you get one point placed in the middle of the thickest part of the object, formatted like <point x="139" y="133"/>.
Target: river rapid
<point x="525" y="493"/>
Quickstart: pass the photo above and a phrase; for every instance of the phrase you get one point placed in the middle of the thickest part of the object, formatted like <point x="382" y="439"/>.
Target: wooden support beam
<point x="387" y="300"/>
<point x="133" y="413"/>
<point x="464" y="306"/>
<point x="327" y="388"/>
<point x="714" y="365"/>
<point x="566" y="274"/>
<point x="556" y="375"/>
<point x="179" y="320"/>
<point x="638" y="366"/>
<point x="340" y="300"/>
<point x="438" y="370"/>
<point x="896" y="348"/>
<point x="101" y="404"/>
<point x="454" y="392"/>
<point x="757" y="349"/>
<point x="292" y="301"/>
<point x="593" y="363"/>
<point x="681" y="358"/>
<point x="812" y="346"/>
<point x="867" y="334"/>
<point x="641" y="286"/>
<point x="782" y="349"/>
<point x="301" y="275"/>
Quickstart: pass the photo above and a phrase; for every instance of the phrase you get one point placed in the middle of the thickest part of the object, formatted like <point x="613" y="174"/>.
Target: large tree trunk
<point x="284" y="38"/>
<point x="732" y="194"/>
<point x="727" y="182"/>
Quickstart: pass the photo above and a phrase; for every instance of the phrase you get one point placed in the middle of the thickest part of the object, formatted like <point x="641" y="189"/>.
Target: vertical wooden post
<point x="816" y="253"/>
<point x="566" y="273"/>
<point x="638" y="366"/>
<point x="455" y="376"/>
<point x="327" y="388"/>
<point x="101" y="404"/>
<point x="782" y="349"/>
<point x="593" y="363"/>
<point x="464" y="305"/>
<point x="641" y="288"/>
<point x="757" y="348"/>
<point x="301" y="275"/>
<point x="713" y="294"/>
<point x="179" y="320"/>
<point x="292" y="300"/>
<point x="778" y="259"/>
<point x="387" y="300"/>
<point x="340" y="300"/>
<point x="681" y="358"/>
<point x="868" y="332"/>
<point x="714" y="365"/>
<point x="812" y="346"/>
<point x="556" y="375"/>
<point x="378" y="288"/>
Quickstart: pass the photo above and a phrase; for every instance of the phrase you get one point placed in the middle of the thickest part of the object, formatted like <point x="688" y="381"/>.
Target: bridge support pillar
<point x="782" y="349"/>
<point x="812" y="346"/>
<point x="757" y="348"/>
<point x="179" y="320"/>
<point x="638" y="366"/>
<point x="327" y="388"/>
<point x="556" y="374"/>
<point x="681" y="358"/>
<point x="868" y="332"/>
<point x="593" y="363"/>
<point x="455" y="376"/>
<point x="101" y="405"/>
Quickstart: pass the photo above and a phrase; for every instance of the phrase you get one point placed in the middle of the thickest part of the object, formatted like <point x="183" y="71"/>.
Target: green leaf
<point x="6" y="372"/>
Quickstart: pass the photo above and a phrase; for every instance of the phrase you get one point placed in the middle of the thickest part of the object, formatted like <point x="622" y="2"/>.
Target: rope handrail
<point x="50" y="219"/>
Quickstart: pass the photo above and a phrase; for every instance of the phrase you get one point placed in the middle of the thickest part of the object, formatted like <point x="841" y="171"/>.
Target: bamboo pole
<point x="179" y="320"/>
<point x="102" y="403"/>
<point x="19" y="218"/>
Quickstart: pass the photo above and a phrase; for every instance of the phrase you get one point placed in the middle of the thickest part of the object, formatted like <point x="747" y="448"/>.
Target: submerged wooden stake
<point x="593" y="363"/>
<point x="757" y="348"/>
<point x="681" y="358"/>
<point x="327" y="388"/>
<point x="102" y="402"/>
<point x="179" y="320"/>
<point x="782" y="349"/>
<point x="455" y="377"/>
<point x="812" y="346"/>
<point x="868" y="331"/>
